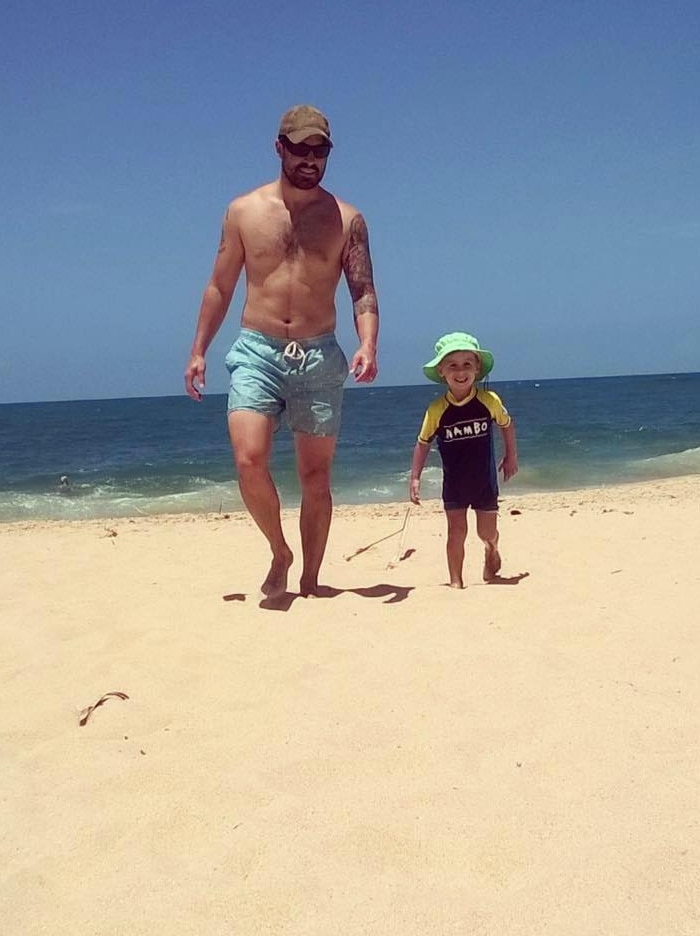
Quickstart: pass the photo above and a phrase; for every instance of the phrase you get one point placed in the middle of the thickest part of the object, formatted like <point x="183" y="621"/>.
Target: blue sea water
<point x="161" y="455"/>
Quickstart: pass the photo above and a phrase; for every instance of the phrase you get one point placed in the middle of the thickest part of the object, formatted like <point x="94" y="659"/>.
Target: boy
<point x="462" y="421"/>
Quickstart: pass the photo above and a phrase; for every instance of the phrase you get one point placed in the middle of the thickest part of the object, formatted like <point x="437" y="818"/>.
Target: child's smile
<point x="460" y="370"/>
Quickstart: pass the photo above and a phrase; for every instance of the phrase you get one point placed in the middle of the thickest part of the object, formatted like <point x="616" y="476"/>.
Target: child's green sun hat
<point x="457" y="341"/>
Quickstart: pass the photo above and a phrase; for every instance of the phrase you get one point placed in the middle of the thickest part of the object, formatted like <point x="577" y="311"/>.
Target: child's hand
<point x="413" y="490"/>
<point x="509" y="466"/>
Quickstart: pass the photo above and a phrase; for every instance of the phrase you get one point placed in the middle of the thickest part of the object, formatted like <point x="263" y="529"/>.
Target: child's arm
<point x="509" y="463"/>
<point x="420" y="454"/>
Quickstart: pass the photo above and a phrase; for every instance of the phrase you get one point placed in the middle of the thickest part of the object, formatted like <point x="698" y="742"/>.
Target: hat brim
<point x="298" y="136"/>
<point x="431" y="368"/>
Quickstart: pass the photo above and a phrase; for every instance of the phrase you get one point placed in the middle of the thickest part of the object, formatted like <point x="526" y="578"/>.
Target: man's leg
<point x="251" y="438"/>
<point x="314" y="459"/>
<point x="487" y="530"/>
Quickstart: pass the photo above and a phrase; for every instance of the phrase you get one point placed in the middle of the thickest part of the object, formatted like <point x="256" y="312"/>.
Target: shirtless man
<point x="293" y="239"/>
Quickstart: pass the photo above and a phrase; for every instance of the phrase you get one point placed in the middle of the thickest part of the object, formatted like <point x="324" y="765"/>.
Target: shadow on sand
<point x="391" y="594"/>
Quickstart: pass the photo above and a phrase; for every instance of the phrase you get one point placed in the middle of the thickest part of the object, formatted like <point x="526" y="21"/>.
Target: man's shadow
<point x="507" y="579"/>
<point x="390" y="593"/>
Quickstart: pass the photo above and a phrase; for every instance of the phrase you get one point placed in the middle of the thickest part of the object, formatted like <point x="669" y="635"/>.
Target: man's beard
<point x="301" y="180"/>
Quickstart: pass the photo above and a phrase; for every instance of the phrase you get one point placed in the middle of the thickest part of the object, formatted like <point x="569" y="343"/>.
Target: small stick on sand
<point x="87" y="712"/>
<point x="399" y="552"/>
<point x="362" y="549"/>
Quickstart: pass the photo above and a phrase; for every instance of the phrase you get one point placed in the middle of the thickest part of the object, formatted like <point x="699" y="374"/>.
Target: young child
<point x="462" y="421"/>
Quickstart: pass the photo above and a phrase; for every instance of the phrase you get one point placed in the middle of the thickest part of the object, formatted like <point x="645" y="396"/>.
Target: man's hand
<point x="363" y="365"/>
<point x="414" y="490"/>
<point x="194" y="377"/>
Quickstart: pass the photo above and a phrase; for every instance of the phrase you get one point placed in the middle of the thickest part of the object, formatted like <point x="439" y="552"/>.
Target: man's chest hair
<point x="315" y="230"/>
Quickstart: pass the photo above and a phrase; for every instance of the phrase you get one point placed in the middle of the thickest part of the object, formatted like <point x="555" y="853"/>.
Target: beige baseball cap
<point x="303" y="121"/>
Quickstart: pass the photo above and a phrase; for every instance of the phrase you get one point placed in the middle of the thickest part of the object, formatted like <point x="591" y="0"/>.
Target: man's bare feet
<point x="492" y="562"/>
<point x="276" y="582"/>
<point x="308" y="589"/>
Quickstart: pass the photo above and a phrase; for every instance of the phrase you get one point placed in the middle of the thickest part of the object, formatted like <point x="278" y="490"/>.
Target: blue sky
<point x="529" y="172"/>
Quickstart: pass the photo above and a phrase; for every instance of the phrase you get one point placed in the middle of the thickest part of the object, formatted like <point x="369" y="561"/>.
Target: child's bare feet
<point x="458" y="584"/>
<point x="492" y="562"/>
<point x="276" y="582"/>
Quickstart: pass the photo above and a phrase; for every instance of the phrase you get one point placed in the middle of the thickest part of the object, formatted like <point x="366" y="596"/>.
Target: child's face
<point x="460" y="371"/>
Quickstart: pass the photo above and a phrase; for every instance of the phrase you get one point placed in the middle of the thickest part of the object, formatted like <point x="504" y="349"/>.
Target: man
<point x="293" y="239"/>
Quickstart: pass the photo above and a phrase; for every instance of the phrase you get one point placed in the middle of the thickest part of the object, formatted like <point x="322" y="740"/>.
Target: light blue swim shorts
<point x="303" y="378"/>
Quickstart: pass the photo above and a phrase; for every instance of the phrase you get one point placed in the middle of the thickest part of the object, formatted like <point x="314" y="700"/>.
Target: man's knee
<point x="315" y="472"/>
<point x="249" y="461"/>
<point x="315" y="477"/>
<point x="314" y="460"/>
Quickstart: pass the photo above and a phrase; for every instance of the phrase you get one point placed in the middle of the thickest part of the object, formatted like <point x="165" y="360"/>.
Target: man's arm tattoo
<point x="358" y="264"/>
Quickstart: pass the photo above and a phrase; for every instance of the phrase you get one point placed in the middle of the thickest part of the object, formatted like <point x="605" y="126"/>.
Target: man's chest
<point x="311" y="236"/>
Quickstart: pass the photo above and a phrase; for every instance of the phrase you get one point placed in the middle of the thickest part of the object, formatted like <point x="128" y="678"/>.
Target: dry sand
<point x="398" y="758"/>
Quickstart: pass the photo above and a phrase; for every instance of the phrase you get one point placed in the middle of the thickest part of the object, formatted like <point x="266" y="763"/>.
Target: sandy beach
<point x="395" y="758"/>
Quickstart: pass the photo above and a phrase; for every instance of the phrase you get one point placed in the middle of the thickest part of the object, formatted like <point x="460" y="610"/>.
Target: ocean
<point x="169" y="455"/>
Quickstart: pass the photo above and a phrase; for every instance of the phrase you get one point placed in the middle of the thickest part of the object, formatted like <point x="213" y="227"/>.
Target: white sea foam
<point x="103" y="502"/>
<point x="673" y="464"/>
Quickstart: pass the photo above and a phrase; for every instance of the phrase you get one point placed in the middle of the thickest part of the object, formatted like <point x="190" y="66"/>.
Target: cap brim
<point x="298" y="136"/>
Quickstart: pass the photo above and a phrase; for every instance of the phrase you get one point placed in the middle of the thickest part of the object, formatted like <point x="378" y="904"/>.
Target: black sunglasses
<point x="320" y="151"/>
